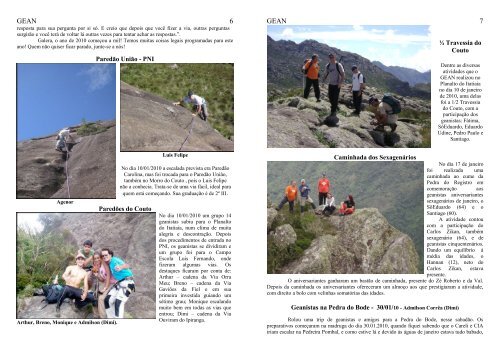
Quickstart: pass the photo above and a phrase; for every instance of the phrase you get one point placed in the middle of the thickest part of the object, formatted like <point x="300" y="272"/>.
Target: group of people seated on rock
<point x="325" y="198"/>
<point x="98" y="278"/>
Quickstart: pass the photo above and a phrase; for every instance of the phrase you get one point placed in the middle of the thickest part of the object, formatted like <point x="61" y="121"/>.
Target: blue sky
<point x="407" y="46"/>
<point x="52" y="96"/>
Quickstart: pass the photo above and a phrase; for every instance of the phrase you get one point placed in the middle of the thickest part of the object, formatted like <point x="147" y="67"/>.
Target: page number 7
<point x="481" y="19"/>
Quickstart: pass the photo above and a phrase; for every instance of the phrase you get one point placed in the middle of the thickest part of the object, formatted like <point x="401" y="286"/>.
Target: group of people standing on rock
<point x="109" y="276"/>
<point x="334" y="72"/>
<point x="325" y="198"/>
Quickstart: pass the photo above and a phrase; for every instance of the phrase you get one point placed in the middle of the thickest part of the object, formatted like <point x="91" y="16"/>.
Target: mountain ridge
<point x="412" y="76"/>
<point x="285" y="58"/>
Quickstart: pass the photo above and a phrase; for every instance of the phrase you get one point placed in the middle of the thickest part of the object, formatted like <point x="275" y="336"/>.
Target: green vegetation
<point x="214" y="82"/>
<point x="87" y="128"/>
<point x="39" y="257"/>
<point x="419" y="118"/>
<point x="307" y="226"/>
<point x="323" y="140"/>
<point x="275" y="94"/>
<point x="395" y="188"/>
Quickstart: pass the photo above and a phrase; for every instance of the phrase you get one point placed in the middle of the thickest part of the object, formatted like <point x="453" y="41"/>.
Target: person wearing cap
<point x="358" y="85"/>
<point x="290" y="196"/>
<point x="199" y="105"/>
<point x="335" y="71"/>
<point x="75" y="276"/>
<point x="311" y="69"/>
<point x="323" y="189"/>
<point x="115" y="300"/>
<point x="383" y="115"/>
<point x="304" y="196"/>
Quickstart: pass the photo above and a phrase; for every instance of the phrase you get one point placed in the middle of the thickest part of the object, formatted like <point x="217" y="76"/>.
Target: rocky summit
<point x="41" y="170"/>
<point x="363" y="242"/>
<point x="132" y="238"/>
<point x="151" y="123"/>
<point x="285" y="59"/>
<point x="296" y="122"/>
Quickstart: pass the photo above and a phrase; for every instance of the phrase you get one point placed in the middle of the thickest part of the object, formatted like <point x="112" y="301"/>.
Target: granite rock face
<point x="42" y="171"/>
<point x="151" y="123"/>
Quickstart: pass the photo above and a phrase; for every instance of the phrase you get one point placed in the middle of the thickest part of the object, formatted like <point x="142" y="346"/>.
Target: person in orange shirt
<point x="290" y="196"/>
<point x="311" y="70"/>
<point x="323" y="189"/>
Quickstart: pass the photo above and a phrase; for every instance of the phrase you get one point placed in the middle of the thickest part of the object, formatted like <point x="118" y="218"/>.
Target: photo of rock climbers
<point x="177" y="107"/>
<point x="66" y="133"/>
<point x="86" y="266"/>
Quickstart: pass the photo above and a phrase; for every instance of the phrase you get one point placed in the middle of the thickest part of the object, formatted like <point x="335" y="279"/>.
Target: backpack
<point x="337" y="66"/>
<point x="364" y="78"/>
<point x="52" y="293"/>
<point x="304" y="71"/>
<point x="393" y="102"/>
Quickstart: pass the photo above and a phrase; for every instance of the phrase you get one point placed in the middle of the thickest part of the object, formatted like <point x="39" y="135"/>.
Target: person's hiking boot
<point x="379" y="128"/>
<point x="393" y="127"/>
<point x="318" y="100"/>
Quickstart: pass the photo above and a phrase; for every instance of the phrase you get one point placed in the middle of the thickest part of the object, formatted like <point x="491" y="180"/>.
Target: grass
<point x="320" y="136"/>
<point x="419" y="118"/>
<point x="86" y="128"/>
<point x="214" y="82"/>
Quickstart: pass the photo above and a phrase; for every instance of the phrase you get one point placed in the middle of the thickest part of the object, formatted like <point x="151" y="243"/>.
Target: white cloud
<point x="358" y="33"/>
<point x="420" y="61"/>
<point x="29" y="221"/>
<point x="287" y="33"/>
<point x="99" y="75"/>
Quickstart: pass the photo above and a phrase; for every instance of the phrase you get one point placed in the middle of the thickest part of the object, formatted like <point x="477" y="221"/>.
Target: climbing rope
<point x="189" y="134"/>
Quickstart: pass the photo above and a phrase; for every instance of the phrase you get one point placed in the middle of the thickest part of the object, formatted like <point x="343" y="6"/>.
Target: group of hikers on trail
<point x="325" y="198"/>
<point x="97" y="278"/>
<point x="386" y="110"/>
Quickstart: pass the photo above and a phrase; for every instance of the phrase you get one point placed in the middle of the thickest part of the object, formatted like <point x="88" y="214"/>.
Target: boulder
<point x="35" y="308"/>
<point x="271" y="216"/>
<point x="41" y="170"/>
<point x="284" y="235"/>
<point x="289" y="127"/>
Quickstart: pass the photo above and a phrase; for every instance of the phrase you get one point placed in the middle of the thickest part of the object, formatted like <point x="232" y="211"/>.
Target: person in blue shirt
<point x="199" y="105"/>
<point x="304" y="196"/>
<point x="114" y="303"/>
